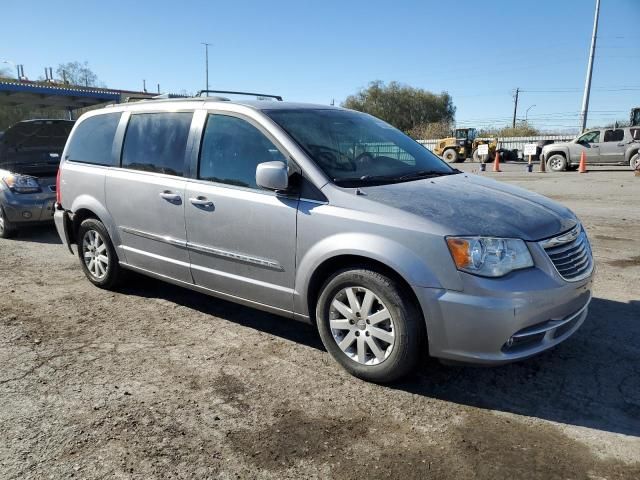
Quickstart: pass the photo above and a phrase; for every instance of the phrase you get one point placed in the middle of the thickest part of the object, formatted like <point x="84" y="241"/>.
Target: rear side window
<point x="635" y="133"/>
<point x="231" y="150"/>
<point x="92" y="141"/>
<point x="614" y="135"/>
<point x="156" y="142"/>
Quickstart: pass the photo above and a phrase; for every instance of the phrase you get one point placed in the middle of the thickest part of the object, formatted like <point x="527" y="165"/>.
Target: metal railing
<point x="510" y="143"/>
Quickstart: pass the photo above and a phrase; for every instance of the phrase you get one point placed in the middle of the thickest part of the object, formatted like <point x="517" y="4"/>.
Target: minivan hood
<point x="34" y="147"/>
<point x="466" y="204"/>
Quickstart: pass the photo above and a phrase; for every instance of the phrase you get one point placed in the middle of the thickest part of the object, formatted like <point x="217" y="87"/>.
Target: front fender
<point x="553" y="151"/>
<point x="412" y="268"/>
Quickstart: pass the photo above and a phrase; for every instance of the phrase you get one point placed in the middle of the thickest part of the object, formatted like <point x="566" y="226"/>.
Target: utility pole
<point x="587" y="83"/>
<point x="515" y="107"/>
<point x="206" y="62"/>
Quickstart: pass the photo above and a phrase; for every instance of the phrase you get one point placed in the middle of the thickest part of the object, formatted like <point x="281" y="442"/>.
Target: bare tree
<point x="76" y="73"/>
<point x="5" y="73"/>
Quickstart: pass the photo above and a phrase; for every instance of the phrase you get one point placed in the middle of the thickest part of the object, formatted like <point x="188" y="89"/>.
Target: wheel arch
<point x="345" y="261"/>
<point x="85" y="206"/>
<point x="630" y="153"/>
<point x="345" y="250"/>
<point x="558" y="151"/>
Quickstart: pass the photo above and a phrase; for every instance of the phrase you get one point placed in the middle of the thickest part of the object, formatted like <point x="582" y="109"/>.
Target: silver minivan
<point x="327" y="216"/>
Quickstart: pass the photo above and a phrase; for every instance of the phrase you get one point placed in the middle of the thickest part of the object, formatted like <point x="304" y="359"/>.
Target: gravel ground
<point x="155" y="381"/>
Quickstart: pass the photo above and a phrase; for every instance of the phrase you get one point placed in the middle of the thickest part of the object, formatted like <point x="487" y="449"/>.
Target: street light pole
<point x="206" y="60"/>
<point x="526" y="114"/>
<point x="587" y="83"/>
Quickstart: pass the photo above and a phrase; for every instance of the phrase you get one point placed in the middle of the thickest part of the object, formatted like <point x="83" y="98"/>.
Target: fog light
<point x="509" y="342"/>
<point x="26" y="214"/>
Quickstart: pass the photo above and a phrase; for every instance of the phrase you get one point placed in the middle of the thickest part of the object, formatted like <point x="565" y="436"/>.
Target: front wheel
<point x="450" y="156"/>
<point x="634" y="162"/>
<point x="7" y="230"/>
<point x="369" y="325"/>
<point x="97" y="255"/>
<point x="557" y="163"/>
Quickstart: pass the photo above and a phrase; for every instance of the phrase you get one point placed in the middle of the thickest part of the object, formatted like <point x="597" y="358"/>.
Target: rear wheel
<point x="634" y="162"/>
<point x="557" y="163"/>
<point x="369" y="325"/>
<point x="7" y="230"/>
<point x="450" y="156"/>
<point x="97" y="255"/>
<point x="478" y="158"/>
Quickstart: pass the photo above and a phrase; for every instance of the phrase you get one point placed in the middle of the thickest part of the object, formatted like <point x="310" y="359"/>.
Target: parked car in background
<point x="606" y="146"/>
<point x="30" y="153"/>
<point x="328" y="216"/>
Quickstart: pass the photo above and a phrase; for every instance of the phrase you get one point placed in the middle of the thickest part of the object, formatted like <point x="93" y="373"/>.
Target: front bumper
<point x="29" y="208"/>
<point x="495" y="321"/>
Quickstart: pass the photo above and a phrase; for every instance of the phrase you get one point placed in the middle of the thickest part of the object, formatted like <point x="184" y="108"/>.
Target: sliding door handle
<point x="169" y="196"/>
<point x="201" y="202"/>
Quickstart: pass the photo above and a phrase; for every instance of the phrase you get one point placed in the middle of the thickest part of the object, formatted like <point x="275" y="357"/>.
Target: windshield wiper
<point x="426" y="174"/>
<point x="373" y="179"/>
<point x="364" y="179"/>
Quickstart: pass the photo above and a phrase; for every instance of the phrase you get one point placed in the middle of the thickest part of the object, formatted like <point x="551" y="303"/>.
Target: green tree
<point x="402" y="106"/>
<point x="76" y="73"/>
<point x="430" y="131"/>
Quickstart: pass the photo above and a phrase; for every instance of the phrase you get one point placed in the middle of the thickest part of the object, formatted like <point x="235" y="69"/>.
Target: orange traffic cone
<point x="496" y="163"/>
<point x="583" y="163"/>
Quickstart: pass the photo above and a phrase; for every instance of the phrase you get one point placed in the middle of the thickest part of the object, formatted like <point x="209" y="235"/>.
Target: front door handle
<point x="169" y="196"/>
<point x="201" y="202"/>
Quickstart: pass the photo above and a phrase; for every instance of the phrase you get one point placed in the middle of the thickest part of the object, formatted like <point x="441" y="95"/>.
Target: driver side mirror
<point x="272" y="175"/>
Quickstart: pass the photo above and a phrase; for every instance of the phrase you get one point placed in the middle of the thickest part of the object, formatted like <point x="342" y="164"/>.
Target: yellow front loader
<point x="464" y="145"/>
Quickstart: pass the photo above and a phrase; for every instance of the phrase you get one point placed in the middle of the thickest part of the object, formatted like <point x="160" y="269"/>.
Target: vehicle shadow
<point x="591" y="380"/>
<point x="285" y="328"/>
<point x="38" y="234"/>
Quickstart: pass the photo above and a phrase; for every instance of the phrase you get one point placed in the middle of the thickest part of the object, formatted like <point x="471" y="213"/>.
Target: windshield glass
<point x="34" y="147"/>
<point x="354" y="148"/>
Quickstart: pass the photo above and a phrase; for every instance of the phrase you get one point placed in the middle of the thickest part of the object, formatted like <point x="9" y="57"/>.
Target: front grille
<point x="570" y="254"/>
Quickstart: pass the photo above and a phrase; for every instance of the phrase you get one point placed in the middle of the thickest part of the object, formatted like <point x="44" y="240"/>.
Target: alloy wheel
<point x="361" y="325"/>
<point x="95" y="254"/>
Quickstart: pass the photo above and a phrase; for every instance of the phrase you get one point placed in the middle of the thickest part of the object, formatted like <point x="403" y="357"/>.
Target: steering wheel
<point x="331" y="156"/>
<point x="363" y="160"/>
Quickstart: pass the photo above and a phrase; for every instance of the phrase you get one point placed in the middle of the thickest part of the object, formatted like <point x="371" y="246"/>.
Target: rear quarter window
<point x="92" y="141"/>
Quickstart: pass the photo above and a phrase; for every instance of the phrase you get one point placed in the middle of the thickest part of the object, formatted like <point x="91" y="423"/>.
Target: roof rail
<point x="227" y="92"/>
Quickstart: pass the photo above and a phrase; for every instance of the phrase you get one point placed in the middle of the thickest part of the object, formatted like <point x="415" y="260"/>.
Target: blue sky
<point x="318" y="51"/>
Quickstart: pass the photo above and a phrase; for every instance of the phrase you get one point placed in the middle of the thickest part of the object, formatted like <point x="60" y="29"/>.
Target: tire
<point x="476" y="157"/>
<point x="379" y="352"/>
<point x="7" y="229"/>
<point x="450" y="155"/>
<point x="634" y="161"/>
<point x="557" y="163"/>
<point x="94" y="242"/>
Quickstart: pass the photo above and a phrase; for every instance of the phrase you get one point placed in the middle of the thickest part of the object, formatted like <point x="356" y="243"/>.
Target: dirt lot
<point x="158" y="382"/>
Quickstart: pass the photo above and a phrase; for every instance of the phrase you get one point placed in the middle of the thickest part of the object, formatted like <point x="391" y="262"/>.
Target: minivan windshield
<point x="356" y="149"/>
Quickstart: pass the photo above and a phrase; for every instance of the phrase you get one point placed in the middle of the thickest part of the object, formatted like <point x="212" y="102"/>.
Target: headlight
<point x="488" y="256"/>
<point x="22" y="183"/>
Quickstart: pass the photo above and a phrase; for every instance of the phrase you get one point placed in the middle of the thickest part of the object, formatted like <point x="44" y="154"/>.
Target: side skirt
<point x="215" y="293"/>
